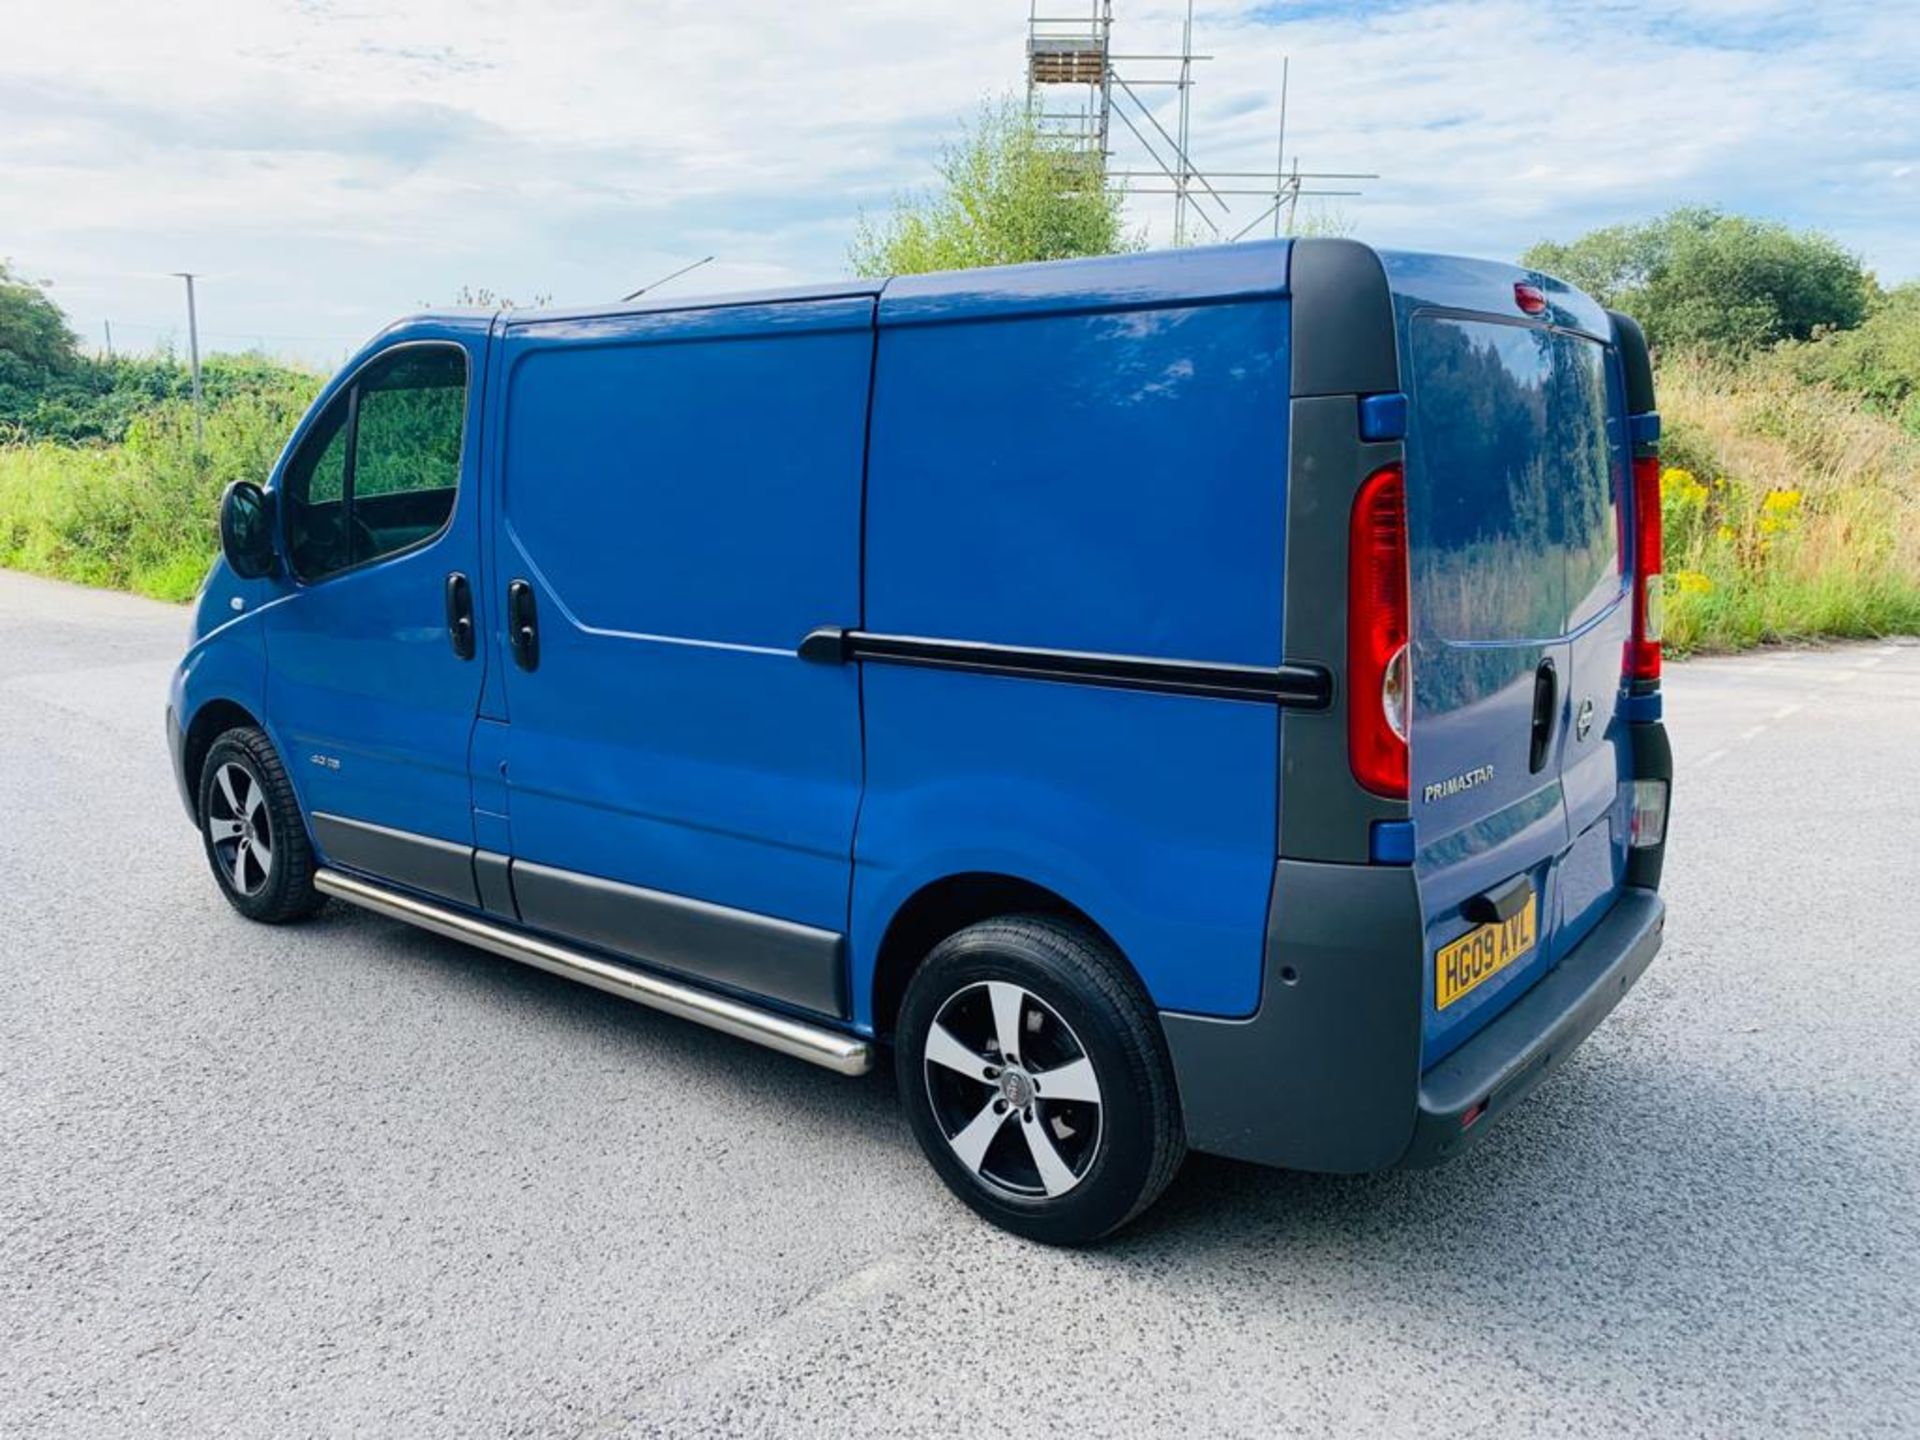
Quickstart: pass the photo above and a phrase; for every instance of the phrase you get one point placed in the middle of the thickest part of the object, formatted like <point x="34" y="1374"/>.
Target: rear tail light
<point x="1643" y="650"/>
<point x="1379" y="676"/>
<point x="1649" y="824"/>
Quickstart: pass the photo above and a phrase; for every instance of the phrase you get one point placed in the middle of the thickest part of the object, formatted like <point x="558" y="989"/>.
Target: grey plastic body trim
<point x="1636" y="360"/>
<point x="1344" y="348"/>
<point x="1532" y="1038"/>
<point x="844" y="1054"/>
<point x="492" y="878"/>
<point x="1652" y="760"/>
<point x="439" y="867"/>
<point x="1343" y="332"/>
<point x="795" y="964"/>
<point x="1326" y="1075"/>
<point x="1325" y="814"/>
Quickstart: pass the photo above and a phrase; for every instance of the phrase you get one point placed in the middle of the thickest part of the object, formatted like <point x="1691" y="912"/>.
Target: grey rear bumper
<point x="1501" y="1065"/>
<point x="1326" y="1075"/>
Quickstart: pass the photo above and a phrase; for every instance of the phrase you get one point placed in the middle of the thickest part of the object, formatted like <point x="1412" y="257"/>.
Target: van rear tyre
<point x="252" y="830"/>
<point x="1036" y="1080"/>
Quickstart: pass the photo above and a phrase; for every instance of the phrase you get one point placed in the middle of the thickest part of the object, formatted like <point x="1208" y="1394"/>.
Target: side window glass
<point x="406" y="454"/>
<point x="314" y="493"/>
<point x="379" y="470"/>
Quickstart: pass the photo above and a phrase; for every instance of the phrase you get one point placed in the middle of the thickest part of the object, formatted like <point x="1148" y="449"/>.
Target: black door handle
<point x="523" y="625"/>
<point x="1546" y="703"/>
<point x="460" y="615"/>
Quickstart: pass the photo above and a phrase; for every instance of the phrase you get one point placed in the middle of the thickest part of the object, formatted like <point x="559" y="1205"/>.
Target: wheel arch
<point x="941" y="907"/>
<point x="212" y="720"/>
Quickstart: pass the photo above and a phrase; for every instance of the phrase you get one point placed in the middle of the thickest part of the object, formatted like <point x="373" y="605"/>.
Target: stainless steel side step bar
<point x="845" y="1054"/>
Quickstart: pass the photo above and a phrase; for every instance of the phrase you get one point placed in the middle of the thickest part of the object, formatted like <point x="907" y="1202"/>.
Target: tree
<point x="1725" y="283"/>
<point x="33" y="330"/>
<point x="37" y="348"/>
<point x="1880" y="359"/>
<point x="1008" y="193"/>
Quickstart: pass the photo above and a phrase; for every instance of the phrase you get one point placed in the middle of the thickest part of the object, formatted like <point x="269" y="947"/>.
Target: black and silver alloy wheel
<point x="1035" y="1075"/>
<point x="251" y="828"/>
<point x="239" y="828"/>
<point x="1013" y="1090"/>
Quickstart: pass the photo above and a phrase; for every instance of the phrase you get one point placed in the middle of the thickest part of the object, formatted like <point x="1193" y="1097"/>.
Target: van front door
<point x="372" y="686"/>
<point x="679" y="506"/>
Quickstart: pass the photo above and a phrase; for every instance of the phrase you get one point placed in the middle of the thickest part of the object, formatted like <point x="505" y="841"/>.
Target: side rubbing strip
<point x="1310" y="686"/>
<point x="439" y="867"/>
<point x="490" y="874"/>
<point x="785" y="961"/>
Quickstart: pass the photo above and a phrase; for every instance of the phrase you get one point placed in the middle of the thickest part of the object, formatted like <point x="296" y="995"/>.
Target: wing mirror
<point x="246" y="530"/>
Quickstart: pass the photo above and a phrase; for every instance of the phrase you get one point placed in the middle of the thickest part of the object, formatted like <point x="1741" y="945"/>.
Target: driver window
<point x="378" y="473"/>
<point x="315" y="496"/>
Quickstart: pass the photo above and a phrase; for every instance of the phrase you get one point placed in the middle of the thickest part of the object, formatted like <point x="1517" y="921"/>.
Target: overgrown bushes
<point x="140" y="515"/>
<point x="1792" y="510"/>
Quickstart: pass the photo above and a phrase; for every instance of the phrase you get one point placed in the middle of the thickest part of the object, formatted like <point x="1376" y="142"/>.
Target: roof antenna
<point x="663" y="280"/>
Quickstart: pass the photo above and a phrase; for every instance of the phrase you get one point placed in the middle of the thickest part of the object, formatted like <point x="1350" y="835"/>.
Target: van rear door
<point x="1488" y="592"/>
<point x="1596" y="766"/>
<point x="1515" y="455"/>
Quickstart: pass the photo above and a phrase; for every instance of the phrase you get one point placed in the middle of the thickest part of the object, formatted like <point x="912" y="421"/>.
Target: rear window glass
<point x="1514" y="473"/>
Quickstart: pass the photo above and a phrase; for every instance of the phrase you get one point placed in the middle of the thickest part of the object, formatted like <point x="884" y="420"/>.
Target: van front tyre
<point x="1036" y="1080"/>
<point x="251" y="829"/>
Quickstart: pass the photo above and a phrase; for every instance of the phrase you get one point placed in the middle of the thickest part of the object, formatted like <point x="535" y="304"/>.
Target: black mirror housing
<point x="246" y="530"/>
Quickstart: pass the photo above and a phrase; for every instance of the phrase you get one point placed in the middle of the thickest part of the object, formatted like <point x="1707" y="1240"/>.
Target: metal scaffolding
<point x="1077" y="85"/>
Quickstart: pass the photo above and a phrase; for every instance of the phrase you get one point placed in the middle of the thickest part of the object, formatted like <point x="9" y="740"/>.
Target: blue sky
<point x="329" y="164"/>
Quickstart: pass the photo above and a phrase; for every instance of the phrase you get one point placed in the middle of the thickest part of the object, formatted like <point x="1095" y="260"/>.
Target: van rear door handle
<point x="523" y="625"/>
<point x="460" y="615"/>
<point x="1546" y="702"/>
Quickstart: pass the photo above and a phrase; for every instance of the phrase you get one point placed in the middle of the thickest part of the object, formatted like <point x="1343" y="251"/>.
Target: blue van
<point x="1191" y="700"/>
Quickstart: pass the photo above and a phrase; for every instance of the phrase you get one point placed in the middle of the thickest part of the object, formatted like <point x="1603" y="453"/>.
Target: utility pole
<point x="193" y="357"/>
<point x="109" y="325"/>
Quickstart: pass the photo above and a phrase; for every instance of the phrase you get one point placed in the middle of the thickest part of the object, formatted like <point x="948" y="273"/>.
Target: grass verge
<point x="1792" y="511"/>
<point x="141" y="515"/>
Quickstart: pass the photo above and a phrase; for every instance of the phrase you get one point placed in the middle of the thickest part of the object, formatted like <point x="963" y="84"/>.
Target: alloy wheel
<point x="1013" y="1090"/>
<point x="239" y="826"/>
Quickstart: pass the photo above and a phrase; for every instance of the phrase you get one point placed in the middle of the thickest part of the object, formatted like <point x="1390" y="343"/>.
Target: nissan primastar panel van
<point x="1195" y="700"/>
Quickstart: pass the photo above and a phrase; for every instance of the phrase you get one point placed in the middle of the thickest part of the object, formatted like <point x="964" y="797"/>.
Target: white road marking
<point x="1709" y="758"/>
<point x="1750" y="732"/>
<point x="1785" y="710"/>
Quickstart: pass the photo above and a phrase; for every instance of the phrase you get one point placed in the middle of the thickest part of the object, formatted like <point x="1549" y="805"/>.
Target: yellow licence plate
<point x="1482" y="953"/>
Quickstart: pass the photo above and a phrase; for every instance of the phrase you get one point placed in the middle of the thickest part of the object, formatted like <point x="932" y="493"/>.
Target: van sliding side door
<point x="679" y="504"/>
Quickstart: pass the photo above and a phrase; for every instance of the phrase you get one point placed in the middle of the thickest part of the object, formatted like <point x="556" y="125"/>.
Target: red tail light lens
<point x="1531" y="299"/>
<point x="1643" y="650"/>
<point x="1379" y="695"/>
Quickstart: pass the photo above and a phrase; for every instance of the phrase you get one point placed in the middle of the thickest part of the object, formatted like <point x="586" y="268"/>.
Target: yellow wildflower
<point x="1680" y="485"/>
<point x="1692" y="582"/>
<point x="1781" y="502"/>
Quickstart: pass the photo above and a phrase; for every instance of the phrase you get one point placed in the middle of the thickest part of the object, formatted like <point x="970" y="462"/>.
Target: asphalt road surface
<point x="347" y="1178"/>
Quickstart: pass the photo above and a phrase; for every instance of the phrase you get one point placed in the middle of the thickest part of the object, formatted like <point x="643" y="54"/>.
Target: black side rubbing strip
<point x="759" y="955"/>
<point x="1307" y="686"/>
<point x="439" y="867"/>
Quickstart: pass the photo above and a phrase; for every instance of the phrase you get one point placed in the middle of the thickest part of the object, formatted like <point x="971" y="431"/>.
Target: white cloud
<point x="332" y="164"/>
